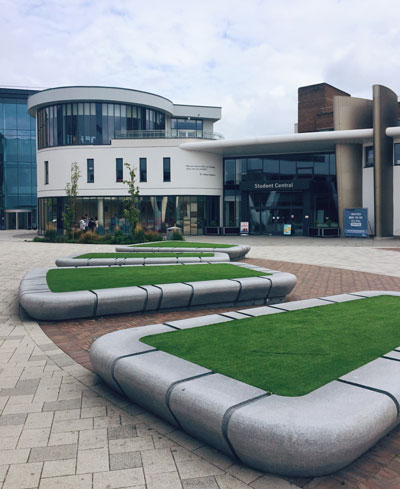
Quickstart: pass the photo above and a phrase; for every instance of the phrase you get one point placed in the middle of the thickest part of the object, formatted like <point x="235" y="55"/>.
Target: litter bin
<point x="172" y="230"/>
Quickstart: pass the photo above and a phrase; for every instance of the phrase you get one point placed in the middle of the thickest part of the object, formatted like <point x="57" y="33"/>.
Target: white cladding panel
<point x="368" y="196"/>
<point x="192" y="173"/>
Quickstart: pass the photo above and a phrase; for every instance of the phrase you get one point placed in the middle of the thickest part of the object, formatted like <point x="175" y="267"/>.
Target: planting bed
<point x="309" y="435"/>
<point x="98" y="291"/>
<point x="141" y="258"/>
<point x="235" y="252"/>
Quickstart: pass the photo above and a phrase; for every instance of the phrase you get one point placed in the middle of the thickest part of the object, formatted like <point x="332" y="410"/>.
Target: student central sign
<point x="274" y="185"/>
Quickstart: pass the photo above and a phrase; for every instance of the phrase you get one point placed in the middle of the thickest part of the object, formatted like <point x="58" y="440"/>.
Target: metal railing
<point x="173" y="134"/>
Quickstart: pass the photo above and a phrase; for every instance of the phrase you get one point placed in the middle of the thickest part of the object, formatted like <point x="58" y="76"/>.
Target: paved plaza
<point x="60" y="427"/>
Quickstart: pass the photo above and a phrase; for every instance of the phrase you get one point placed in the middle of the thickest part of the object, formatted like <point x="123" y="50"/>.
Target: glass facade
<point x="92" y="122"/>
<point x="17" y="161"/>
<point x="190" y="213"/>
<point x="271" y="191"/>
<point x="184" y="127"/>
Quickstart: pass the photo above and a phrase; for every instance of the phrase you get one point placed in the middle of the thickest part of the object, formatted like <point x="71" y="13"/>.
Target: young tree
<point x="71" y="189"/>
<point x="131" y="203"/>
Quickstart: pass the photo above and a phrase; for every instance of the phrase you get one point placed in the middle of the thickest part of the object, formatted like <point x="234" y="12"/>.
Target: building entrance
<point x="18" y="219"/>
<point x="270" y="211"/>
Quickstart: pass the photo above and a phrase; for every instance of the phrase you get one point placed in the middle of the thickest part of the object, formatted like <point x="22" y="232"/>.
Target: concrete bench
<point x="40" y="303"/>
<point x="310" y="435"/>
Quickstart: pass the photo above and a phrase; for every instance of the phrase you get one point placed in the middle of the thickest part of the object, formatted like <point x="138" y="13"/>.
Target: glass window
<point x="254" y="165"/>
<point x="167" y="169"/>
<point x="369" y="156"/>
<point x="397" y="154"/>
<point x="143" y="169"/>
<point x="46" y="172"/>
<point x="119" y="170"/>
<point x="10" y="116"/>
<point x="229" y="177"/>
<point x="90" y="170"/>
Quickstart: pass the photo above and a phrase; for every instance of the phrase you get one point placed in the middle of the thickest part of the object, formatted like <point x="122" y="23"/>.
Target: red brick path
<point x="379" y="468"/>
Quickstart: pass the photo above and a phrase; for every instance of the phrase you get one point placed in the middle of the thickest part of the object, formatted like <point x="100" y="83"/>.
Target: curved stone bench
<point x="235" y="252"/>
<point x="310" y="435"/>
<point x="71" y="261"/>
<point x="40" y="303"/>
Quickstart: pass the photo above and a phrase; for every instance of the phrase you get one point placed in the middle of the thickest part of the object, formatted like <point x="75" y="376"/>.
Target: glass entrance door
<point x="270" y="211"/>
<point x="18" y="219"/>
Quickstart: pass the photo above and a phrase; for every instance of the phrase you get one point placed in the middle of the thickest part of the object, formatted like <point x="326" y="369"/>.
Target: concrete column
<point x="100" y="211"/>
<point x="384" y="115"/>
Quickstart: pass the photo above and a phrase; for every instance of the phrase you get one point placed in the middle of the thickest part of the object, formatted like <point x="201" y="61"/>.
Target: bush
<point x="139" y="236"/>
<point x="177" y="236"/>
<point x="89" y="237"/>
<point x="38" y="239"/>
<point x="152" y="236"/>
<point x="50" y="235"/>
<point x="61" y="239"/>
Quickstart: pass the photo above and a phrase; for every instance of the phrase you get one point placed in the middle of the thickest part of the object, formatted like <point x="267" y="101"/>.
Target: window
<point x="397" y="154"/>
<point x="46" y="172"/>
<point x="143" y="169"/>
<point x="90" y="170"/>
<point x="167" y="169"/>
<point x="369" y="156"/>
<point x="119" y="169"/>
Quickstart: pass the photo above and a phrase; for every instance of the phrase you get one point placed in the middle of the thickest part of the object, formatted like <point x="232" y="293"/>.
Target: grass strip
<point x="68" y="280"/>
<point x="183" y="244"/>
<point x="292" y="353"/>
<point x="143" y="255"/>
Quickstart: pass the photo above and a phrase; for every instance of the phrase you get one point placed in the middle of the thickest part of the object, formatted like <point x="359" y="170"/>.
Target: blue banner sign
<point x="356" y="222"/>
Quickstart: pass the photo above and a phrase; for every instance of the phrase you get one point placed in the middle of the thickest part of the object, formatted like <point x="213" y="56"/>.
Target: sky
<point x="247" y="56"/>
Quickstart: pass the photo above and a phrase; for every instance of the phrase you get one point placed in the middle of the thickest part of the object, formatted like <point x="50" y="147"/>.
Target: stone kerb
<point x="310" y="435"/>
<point x="235" y="252"/>
<point x="71" y="261"/>
<point x="40" y="303"/>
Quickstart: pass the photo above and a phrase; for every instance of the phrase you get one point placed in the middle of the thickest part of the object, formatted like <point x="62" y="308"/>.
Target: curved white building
<point x="102" y="129"/>
<point x="345" y="161"/>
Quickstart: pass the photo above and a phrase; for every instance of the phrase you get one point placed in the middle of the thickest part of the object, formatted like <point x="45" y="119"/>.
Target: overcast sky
<point x="248" y="56"/>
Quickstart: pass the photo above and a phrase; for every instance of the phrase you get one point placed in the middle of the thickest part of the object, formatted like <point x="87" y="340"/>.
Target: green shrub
<point x="38" y="239"/>
<point x="50" y="235"/>
<point x="177" y="236"/>
<point x="61" y="239"/>
<point x="89" y="237"/>
<point x="153" y="236"/>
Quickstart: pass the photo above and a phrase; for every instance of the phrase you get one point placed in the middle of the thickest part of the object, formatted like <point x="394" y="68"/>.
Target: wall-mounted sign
<point x="277" y="185"/>
<point x="244" y="227"/>
<point x="287" y="229"/>
<point x="355" y="222"/>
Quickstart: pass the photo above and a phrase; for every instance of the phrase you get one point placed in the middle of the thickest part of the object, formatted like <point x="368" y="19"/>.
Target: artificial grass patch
<point x="292" y="353"/>
<point x="184" y="244"/>
<point x="68" y="280"/>
<point x="142" y="255"/>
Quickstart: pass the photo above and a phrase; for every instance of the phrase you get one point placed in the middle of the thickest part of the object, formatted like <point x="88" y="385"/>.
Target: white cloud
<point x="248" y="57"/>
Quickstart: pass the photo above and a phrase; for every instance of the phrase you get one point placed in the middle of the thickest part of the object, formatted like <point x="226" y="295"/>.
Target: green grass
<point x="292" y="353"/>
<point x="142" y="255"/>
<point x="68" y="280"/>
<point x="184" y="244"/>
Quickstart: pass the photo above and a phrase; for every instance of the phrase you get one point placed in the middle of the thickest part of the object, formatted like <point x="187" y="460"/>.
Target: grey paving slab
<point x="304" y="304"/>
<point x="260" y="311"/>
<point x="341" y="298"/>
<point x="381" y="374"/>
<point x="198" y="321"/>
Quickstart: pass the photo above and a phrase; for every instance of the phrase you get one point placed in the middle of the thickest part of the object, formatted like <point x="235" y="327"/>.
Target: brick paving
<point x="62" y="428"/>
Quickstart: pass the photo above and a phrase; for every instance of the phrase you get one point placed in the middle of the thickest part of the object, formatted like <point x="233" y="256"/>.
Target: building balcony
<point x="172" y="134"/>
